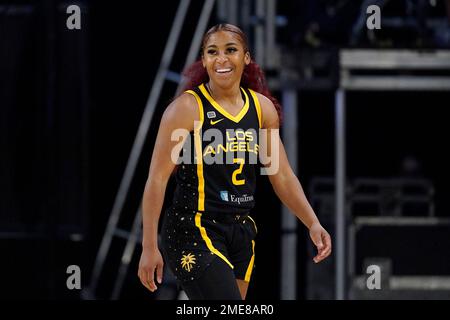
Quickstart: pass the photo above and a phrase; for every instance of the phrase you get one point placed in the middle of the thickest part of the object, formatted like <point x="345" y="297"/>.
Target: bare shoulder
<point x="269" y="113"/>
<point x="182" y="112"/>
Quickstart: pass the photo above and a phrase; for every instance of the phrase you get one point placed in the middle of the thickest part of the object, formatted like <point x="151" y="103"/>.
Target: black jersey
<point x="220" y="157"/>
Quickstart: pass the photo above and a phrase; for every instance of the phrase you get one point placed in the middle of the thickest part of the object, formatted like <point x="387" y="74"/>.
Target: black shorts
<point x="192" y="240"/>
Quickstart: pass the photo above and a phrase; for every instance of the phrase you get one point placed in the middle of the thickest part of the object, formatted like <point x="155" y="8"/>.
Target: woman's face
<point x="224" y="58"/>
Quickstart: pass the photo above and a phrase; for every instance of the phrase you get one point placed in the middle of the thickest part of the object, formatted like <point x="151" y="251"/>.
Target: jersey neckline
<point x="224" y="112"/>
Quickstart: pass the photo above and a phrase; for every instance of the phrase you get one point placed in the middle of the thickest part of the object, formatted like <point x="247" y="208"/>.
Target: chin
<point x="225" y="82"/>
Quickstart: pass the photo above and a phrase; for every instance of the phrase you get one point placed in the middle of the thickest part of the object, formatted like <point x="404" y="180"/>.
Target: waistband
<point x="225" y="217"/>
<point x="219" y="217"/>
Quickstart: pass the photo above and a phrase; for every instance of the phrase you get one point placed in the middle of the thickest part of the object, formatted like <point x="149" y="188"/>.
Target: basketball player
<point x="207" y="233"/>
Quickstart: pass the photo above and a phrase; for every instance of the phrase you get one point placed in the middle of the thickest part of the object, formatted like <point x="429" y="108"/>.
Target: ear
<point x="203" y="62"/>
<point x="247" y="58"/>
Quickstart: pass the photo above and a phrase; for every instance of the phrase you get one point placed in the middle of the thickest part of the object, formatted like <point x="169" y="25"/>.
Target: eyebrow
<point x="228" y="44"/>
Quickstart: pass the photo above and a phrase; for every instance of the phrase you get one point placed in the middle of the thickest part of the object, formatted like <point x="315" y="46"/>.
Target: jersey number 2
<point x="238" y="171"/>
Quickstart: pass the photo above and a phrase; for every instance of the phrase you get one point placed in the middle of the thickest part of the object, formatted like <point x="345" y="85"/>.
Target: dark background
<point x="71" y="102"/>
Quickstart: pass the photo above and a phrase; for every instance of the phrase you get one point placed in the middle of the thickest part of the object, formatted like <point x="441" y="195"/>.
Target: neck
<point x="231" y="94"/>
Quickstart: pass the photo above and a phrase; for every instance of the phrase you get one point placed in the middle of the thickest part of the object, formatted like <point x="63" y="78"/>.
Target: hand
<point x="322" y="240"/>
<point x="150" y="260"/>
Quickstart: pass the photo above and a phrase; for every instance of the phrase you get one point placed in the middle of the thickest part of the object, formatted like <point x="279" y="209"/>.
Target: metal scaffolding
<point x="363" y="70"/>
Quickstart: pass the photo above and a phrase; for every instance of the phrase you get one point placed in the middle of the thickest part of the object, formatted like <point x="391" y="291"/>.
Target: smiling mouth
<point x="223" y="70"/>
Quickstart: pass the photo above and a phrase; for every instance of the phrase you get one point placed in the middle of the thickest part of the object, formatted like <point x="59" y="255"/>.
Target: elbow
<point x="282" y="177"/>
<point x="278" y="181"/>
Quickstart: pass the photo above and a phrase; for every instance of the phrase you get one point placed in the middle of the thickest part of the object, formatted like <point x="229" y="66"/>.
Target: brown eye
<point x="211" y="51"/>
<point x="232" y="49"/>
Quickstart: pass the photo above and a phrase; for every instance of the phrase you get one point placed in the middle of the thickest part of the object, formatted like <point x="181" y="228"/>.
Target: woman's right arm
<point x="180" y="114"/>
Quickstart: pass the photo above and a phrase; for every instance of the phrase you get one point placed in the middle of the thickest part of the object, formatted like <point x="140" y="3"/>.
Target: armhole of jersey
<point x="199" y="154"/>
<point x="200" y="105"/>
<point x="258" y="107"/>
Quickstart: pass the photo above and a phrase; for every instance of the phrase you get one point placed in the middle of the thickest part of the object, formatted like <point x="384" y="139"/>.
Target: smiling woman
<point x="208" y="236"/>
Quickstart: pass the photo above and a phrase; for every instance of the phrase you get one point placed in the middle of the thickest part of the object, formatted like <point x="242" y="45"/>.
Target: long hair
<point x="253" y="76"/>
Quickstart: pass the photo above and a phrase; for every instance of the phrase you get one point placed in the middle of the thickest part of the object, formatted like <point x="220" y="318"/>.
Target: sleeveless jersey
<point x="219" y="159"/>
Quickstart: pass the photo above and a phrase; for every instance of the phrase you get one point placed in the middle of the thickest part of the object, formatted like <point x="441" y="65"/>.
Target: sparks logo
<point x="224" y="195"/>
<point x="187" y="261"/>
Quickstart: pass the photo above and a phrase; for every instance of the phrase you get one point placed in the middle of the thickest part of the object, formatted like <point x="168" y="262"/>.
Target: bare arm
<point x="287" y="186"/>
<point x="180" y="114"/>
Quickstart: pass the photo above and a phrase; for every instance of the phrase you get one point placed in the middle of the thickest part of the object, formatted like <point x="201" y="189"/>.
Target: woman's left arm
<point x="287" y="186"/>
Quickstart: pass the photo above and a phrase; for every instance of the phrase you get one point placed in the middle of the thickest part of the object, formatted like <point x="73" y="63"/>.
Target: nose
<point x="221" y="58"/>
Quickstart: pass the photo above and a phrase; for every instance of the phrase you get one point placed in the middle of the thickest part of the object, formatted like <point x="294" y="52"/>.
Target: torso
<point x="223" y="180"/>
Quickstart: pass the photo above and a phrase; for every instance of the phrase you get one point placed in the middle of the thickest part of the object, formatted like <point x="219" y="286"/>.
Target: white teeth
<point x="223" y="70"/>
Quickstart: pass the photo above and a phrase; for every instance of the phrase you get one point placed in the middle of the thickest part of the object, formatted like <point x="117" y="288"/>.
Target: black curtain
<point x="44" y="130"/>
